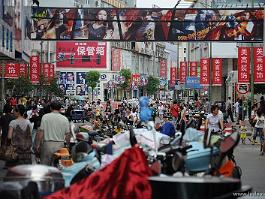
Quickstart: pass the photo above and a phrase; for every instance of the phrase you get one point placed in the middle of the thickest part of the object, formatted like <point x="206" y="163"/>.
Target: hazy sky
<point x="160" y="3"/>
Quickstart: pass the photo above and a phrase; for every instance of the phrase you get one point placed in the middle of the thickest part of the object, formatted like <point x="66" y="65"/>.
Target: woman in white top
<point x="260" y="122"/>
<point x="214" y="122"/>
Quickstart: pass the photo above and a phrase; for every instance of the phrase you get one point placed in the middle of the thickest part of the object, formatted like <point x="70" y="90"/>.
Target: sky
<point x="160" y="3"/>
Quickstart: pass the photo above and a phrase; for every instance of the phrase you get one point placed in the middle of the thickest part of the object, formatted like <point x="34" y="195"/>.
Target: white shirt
<point x="213" y="122"/>
<point x="260" y="122"/>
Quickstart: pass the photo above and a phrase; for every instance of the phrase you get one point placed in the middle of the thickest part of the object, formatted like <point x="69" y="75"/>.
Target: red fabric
<point x="175" y="110"/>
<point x="125" y="178"/>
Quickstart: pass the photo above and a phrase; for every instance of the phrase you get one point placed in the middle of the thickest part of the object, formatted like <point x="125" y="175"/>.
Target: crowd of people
<point x="43" y="126"/>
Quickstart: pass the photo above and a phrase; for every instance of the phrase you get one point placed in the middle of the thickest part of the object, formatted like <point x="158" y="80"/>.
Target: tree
<point x="126" y="74"/>
<point x="152" y="85"/>
<point x="54" y="89"/>
<point x="92" y="79"/>
<point x="259" y="88"/>
<point x="21" y="86"/>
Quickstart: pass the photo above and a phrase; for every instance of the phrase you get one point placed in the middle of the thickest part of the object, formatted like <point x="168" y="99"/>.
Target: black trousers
<point x="230" y="114"/>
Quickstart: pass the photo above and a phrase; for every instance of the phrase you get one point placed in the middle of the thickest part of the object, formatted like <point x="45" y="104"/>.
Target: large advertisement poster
<point x="205" y="71"/>
<point x="259" y="66"/>
<point x="217" y="72"/>
<point x="134" y="24"/>
<point x="243" y="65"/>
<point x="81" y="54"/>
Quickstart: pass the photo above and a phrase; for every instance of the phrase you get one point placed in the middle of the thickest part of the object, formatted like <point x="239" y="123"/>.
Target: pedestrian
<point x="229" y="111"/>
<point x="260" y="122"/>
<point x="4" y="123"/>
<point x="54" y="130"/>
<point x="214" y="123"/>
<point x="243" y="132"/>
<point x="19" y="135"/>
<point x="175" y="111"/>
<point x="236" y="106"/>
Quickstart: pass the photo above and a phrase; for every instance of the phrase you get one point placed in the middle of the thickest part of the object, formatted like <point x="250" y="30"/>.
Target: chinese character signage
<point x="48" y="71"/>
<point x="35" y="69"/>
<point x="23" y="69"/>
<point x="163" y="68"/>
<point x="259" y="66"/>
<point x="173" y="76"/>
<point x="205" y="71"/>
<point x="12" y="70"/>
<point x="217" y="72"/>
<point x="193" y="69"/>
<point x="81" y="54"/>
<point x="136" y="79"/>
<point x="183" y="72"/>
<point x="146" y="24"/>
<point x="243" y="65"/>
<point x="116" y="59"/>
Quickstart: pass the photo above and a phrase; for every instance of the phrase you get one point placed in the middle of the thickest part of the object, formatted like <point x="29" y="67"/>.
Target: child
<point x="243" y="132"/>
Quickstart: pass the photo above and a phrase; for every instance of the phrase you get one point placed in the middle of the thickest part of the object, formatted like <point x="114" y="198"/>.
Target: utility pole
<point x="3" y="87"/>
<point x="252" y="67"/>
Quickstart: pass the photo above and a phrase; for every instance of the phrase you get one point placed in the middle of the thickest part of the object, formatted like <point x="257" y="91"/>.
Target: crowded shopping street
<point x="118" y="99"/>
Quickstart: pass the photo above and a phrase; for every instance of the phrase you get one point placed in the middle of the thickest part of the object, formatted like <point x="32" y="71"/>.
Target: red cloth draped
<point x="125" y="178"/>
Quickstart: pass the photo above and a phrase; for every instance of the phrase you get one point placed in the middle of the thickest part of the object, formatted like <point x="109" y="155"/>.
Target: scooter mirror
<point x="229" y="142"/>
<point x="164" y="140"/>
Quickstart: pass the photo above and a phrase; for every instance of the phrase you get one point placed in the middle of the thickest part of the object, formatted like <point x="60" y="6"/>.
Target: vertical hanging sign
<point x="183" y="72"/>
<point x="12" y="70"/>
<point x="23" y="69"/>
<point x="259" y="66"/>
<point x="163" y="68"/>
<point x="205" y="71"/>
<point x="35" y="69"/>
<point x="243" y="64"/>
<point x="51" y="72"/>
<point x="193" y="69"/>
<point x="217" y="72"/>
<point x="173" y="76"/>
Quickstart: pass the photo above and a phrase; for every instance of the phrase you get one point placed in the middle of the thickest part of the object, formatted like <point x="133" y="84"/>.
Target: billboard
<point x="147" y="24"/>
<point x="81" y="54"/>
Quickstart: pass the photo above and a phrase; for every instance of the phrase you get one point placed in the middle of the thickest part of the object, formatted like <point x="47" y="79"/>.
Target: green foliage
<point x="21" y="86"/>
<point x="92" y="79"/>
<point x="54" y="89"/>
<point x="126" y="74"/>
<point x="152" y="85"/>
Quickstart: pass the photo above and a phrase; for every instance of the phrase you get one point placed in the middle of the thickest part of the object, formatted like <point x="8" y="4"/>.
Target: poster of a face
<point x="132" y="24"/>
<point x="62" y="88"/>
<point x="63" y="78"/>
<point x="80" y="78"/>
<point x="70" y="78"/>
<point x="81" y="90"/>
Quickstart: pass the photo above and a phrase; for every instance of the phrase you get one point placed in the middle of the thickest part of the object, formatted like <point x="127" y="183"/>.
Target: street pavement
<point x="247" y="157"/>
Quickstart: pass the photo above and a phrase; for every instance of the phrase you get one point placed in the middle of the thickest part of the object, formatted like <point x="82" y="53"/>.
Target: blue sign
<point x="193" y="83"/>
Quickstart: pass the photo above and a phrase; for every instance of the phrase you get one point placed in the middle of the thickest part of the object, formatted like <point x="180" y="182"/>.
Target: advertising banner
<point x="23" y="69"/>
<point x="259" y="66"/>
<point x="35" y="69"/>
<point x="163" y="68"/>
<point x="193" y="69"/>
<point x="147" y="24"/>
<point x="217" y="72"/>
<point x="48" y="71"/>
<point x="136" y="79"/>
<point x="12" y="70"/>
<point x="243" y="65"/>
<point x="116" y="59"/>
<point x="193" y="83"/>
<point x="205" y="71"/>
<point x="183" y="72"/>
<point x="81" y="54"/>
<point x="173" y="76"/>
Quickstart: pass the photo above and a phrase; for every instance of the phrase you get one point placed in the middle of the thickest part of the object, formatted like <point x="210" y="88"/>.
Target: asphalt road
<point x="247" y="157"/>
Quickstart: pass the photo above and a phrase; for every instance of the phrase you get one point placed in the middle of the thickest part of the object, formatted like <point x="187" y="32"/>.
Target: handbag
<point x="11" y="153"/>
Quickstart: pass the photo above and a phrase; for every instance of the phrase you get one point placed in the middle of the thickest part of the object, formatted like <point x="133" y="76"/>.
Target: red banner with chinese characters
<point x="12" y="70"/>
<point x="205" y="71"/>
<point x="35" y="69"/>
<point x="243" y="65"/>
<point x="81" y="54"/>
<point x="51" y="73"/>
<point x="217" y="72"/>
<point x="23" y="69"/>
<point x="173" y="76"/>
<point x="259" y="66"/>
<point x="193" y="69"/>
<point x="163" y="68"/>
<point x="183" y="72"/>
<point x="116" y="59"/>
<point x="136" y="78"/>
